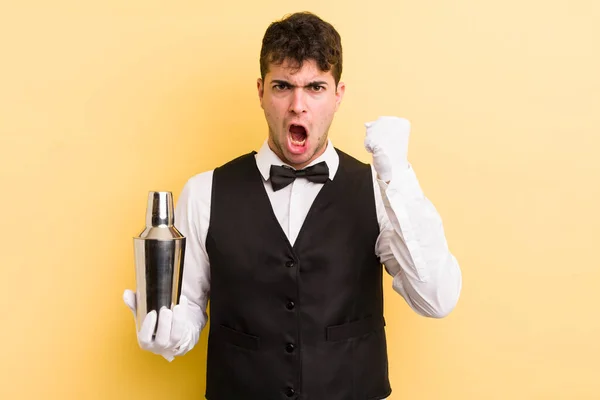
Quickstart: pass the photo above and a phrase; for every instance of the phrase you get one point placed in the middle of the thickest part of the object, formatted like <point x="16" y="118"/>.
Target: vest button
<point x="289" y="264"/>
<point x="290" y="305"/>
<point x="289" y="348"/>
<point x="290" y="392"/>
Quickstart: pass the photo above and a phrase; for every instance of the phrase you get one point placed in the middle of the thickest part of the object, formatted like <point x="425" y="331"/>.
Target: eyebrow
<point x="284" y="82"/>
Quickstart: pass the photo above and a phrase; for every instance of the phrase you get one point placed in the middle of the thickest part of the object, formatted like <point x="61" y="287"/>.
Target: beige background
<point x="101" y="102"/>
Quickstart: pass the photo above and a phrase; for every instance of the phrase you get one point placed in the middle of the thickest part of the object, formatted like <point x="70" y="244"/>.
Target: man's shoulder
<point x="244" y="158"/>
<point x="203" y="180"/>
<point x="350" y="162"/>
<point x="199" y="185"/>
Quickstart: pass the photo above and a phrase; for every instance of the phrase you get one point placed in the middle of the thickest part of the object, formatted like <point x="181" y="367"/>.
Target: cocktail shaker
<point x="159" y="254"/>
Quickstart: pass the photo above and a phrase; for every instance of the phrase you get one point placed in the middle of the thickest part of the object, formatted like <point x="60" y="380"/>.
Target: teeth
<point x="300" y="143"/>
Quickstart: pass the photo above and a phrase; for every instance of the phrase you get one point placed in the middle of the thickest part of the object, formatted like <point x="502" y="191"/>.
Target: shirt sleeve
<point x="192" y="217"/>
<point x="413" y="247"/>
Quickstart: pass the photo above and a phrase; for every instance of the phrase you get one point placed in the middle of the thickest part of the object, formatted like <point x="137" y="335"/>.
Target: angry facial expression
<point x="299" y="105"/>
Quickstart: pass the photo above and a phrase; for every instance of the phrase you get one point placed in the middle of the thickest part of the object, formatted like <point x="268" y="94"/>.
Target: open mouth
<point x="298" y="135"/>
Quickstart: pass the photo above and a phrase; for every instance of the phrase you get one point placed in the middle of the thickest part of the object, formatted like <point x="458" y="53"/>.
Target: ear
<point x="339" y="94"/>
<point x="261" y="90"/>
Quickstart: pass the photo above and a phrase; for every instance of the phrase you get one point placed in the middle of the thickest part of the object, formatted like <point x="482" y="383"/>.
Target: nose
<point x="298" y="101"/>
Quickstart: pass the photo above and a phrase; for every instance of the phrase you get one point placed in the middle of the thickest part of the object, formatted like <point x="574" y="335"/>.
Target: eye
<point x="317" y="88"/>
<point x="280" y="87"/>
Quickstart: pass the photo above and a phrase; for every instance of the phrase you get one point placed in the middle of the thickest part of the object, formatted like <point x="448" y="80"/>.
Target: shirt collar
<point x="266" y="157"/>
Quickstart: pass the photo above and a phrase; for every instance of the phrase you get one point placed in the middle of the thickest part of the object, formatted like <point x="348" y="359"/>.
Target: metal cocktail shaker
<point x="159" y="253"/>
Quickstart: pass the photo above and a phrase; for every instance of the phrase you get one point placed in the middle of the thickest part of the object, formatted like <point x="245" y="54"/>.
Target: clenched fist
<point x="387" y="140"/>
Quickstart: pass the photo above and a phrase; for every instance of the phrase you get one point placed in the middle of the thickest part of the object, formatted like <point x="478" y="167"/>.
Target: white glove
<point x="174" y="327"/>
<point x="387" y="140"/>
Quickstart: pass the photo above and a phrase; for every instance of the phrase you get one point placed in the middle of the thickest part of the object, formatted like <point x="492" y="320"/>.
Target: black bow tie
<point x="281" y="176"/>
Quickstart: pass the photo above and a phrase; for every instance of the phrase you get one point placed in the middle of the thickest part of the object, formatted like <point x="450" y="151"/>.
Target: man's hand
<point x="387" y="140"/>
<point x="174" y="327"/>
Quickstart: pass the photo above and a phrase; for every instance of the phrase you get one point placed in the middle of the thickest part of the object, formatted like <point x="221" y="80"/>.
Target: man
<point x="289" y="243"/>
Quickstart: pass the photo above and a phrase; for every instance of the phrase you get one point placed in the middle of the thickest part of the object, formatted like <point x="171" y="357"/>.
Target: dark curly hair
<point x="300" y="37"/>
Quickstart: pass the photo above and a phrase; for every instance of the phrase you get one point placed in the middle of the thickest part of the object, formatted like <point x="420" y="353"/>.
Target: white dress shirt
<point x="411" y="243"/>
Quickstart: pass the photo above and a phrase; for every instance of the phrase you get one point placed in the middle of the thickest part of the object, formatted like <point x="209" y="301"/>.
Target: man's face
<point x="299" y="106"/>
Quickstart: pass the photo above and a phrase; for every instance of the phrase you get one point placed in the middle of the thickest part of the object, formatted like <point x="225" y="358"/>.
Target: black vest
<point x="295" y="322"/>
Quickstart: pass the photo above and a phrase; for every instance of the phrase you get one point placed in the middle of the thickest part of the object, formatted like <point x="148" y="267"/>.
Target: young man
<point x="289" y="242"/>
